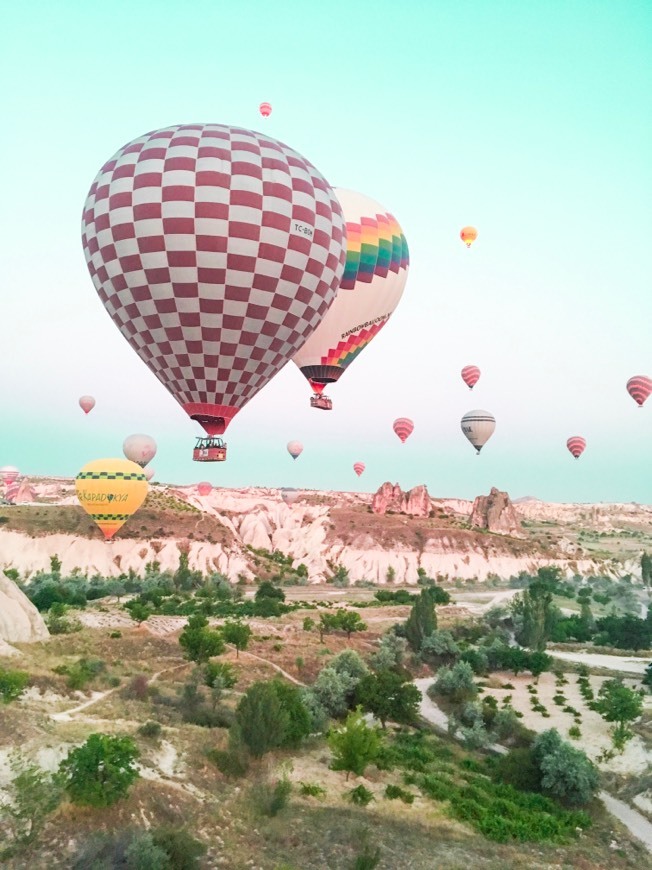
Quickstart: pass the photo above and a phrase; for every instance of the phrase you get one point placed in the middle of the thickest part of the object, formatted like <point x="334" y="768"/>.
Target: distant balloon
<point x="639" y="388"/>
<point x="140" y="449"/>
<point x="204" y="488"/>
<point x="403" y="427"/>
<point x="216" y="251"/>
<point x="265" y="109"/>
<point x="289" y="495"/>
<point x="359" y="467"/>
<point x="470" y="376"/>
<point x="295" y="449"/>
<point x="110" y="491"/>
<point x="86" y="403"/>
<point x="372" y="285"/>
<point x="149" y="473"/>
<point x="9" y="473"/>
<point x="576" y="445"/>
<point x="478" y="426"/>
<point x="468" y="235"/>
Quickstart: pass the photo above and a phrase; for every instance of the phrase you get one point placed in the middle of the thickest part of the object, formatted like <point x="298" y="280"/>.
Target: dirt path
<point x="624" y="664"/>
<point x="67" y="715"/>
<point x="272" y="665"/>
<point x="636" y="824"/>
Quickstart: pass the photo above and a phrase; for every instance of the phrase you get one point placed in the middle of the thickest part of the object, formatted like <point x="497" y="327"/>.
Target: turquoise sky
<point x="531" y="121"/>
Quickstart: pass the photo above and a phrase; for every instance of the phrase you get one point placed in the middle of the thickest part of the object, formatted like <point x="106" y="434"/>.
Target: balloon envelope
<point x="149" y="473"/>
<point x="140" y="449"/>
<point x="295" y="448"/>
<point x="265" y="109"/>
<point x="359" y="467"/>
<point x="86" y="403"/>
<point x="371" y="287"/>
<point x="478" y="426"/>
<point x="639" y="388"/>
<point x="470" y="376"/>
<point x="468" y="235"/>
<point x="576" y="445"/>
<point x="403" y="427"/>
<point x="9" y="473"/>
<point x="204" y="488"/>
<point x="216" y="251"/>
<point x="110" y="491"/>
<point x="289" y="495"/>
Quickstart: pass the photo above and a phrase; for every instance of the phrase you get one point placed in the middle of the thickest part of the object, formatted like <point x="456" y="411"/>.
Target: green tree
<point x="138" y="611"/>
<point x="327" y="623"/>
<point x="616" y="703"/>
<point x="566" y="773"/>
<point x="55" y="566"/>
<point x="219" y="674"/>
<point x="390" y="574"/>
<point x="391" y="652"/>
<point x="308" y="623"/>
<point x="388" y="696"/>
<point x="299" y="722"/>
<point x="532" y="611"/>
<point x="269" y="590"/>
<point x="33" y="795"/>
<point x="646" y="569"/>
<point x="440" y="646"/>
<point x="422" y="620"/>
<point x="237" y="633"/>
<point x="333" y="691"/>
<point x="262" y="720"/>
<point x="200" y="642"/>
<point x="647" y="677"/>
<point x="354" y="745"/>
<point x="349" y="621"/>
<point x="456" y="683"/>
<point x="100" y="771"/>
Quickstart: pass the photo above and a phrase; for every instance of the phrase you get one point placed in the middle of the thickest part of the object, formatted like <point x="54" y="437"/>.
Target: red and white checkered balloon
<point x="216" y="251"/>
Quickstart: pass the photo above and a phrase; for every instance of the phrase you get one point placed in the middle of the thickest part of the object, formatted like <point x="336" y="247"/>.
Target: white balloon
<point x="478" y="426"/>
<point x="140" y="449"/>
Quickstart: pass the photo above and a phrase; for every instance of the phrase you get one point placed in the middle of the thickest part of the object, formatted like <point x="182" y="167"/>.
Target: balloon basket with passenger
<point x="209" y="450"/>
<point x="321" y="401"/>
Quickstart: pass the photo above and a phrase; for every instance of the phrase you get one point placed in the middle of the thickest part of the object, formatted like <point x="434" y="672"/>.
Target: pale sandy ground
<point x="622" y="664"/>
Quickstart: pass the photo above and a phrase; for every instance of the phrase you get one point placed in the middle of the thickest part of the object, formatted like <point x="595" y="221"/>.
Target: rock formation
<point x="496" y="513"/>
<point x="20" y="621"/>
<point x="415" y="503"/>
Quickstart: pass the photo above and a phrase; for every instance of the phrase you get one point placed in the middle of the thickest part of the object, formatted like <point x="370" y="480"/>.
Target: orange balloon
<point x="468" y="235"/>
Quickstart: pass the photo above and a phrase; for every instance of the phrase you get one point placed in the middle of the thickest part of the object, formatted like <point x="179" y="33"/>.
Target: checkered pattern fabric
<point x="216" y="251"/>
<point x="109" y="475"/>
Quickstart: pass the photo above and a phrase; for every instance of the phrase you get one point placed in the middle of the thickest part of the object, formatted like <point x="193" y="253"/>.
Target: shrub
<point x="566" y="772"/>
<point x="101" y="771"/>
<point x="150" y="729"/>
<point x="395" y="792"/>
<point x="33" y="795"/>
<point x="311" y="789"/>
<point x="270" y="798"/>
<point x="574" y="733"/>
<point x="182" y="849"/>
<point x="82" y="672"/>
<point x="519" y="769"/>
<point x="388" y="696"/>
<point x="115" y="634"/>
<point x="231" y="762"/>
<point x="360" y="796"/>
<point x="354" y="745"/>
<point x="138" y="688"/>
<point x="367" y="859"/>
<point x="456" y="683"/>
<point x="12" y="684"/>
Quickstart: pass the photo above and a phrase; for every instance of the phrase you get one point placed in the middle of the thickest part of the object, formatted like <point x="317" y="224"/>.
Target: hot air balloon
<point x="86" y="403"/>
<point x="639" y="388"/>
<point x="265" y="109"/>
<point x="140" y="449"/>
<point x="149" y="473"/>
<point x="216" y="251"/>
<point x="576" y="445"/>
<point x="295" y="449"/>
<point x="110" y="491"/>
<point x="470" y="376"/>
<point x="204" y="488"/>
<point x="468" y="235"/>
<point x="289" y="495"/>
<point x="359" y="467"/>
<point x="371" y="288"/>
<point x="403" y="427"/>
<point x="11" y="491"/>
<point x="9" y="473"/>
<point x="478" y="426"/>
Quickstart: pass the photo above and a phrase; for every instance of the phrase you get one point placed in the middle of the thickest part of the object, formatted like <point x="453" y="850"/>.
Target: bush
<point x="311" y="789"/>
<point x="101" y="771"/>
<point x="137" y="689"/>
<point x="115" y="634"/>
<point x="360" y="796"/>
<point x="33" y="795"/>
<point x="456" y="683"/>
<point x="566" y="772"/>
<point x="574" y="733"/>
<point x="354" y="745"/>
<point x="519" y="769"/>
<point x="12" y="684"/>
<point x="367" y="859"/>
<point x="182" y="849"/>
<point x="270" y="798"/>
<point x="82" y="672"/>
<point x="231" y="762"/>
<point x="150" y="730"/>
<point x="395" y="792"/>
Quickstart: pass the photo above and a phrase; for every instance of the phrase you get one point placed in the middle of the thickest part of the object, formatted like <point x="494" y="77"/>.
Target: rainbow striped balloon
<point x="576" y="445"/>
<point x="359" y="467"/>
<point x="639" y="388"/>
<point x="374" y="278"/>
<point x="403" y="427"/>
